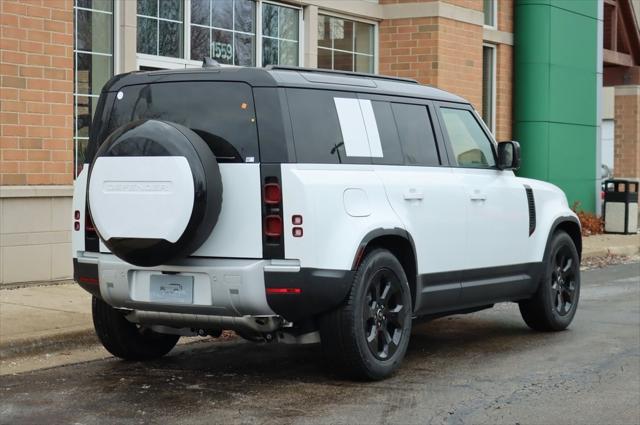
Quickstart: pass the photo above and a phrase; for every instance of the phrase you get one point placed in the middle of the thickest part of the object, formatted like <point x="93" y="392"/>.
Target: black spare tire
<point x="134" y="179"/>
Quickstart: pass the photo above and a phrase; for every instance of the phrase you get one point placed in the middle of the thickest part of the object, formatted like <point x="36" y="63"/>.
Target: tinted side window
<point x="416" y="134"/>
<point x="316" y="128"/>
<point x="471" y="146"/>
<point x="222" y="114"/>
<point x="391" y="150"/>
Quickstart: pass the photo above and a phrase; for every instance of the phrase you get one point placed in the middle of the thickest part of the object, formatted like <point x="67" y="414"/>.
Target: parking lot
<point x="486" y="367"/>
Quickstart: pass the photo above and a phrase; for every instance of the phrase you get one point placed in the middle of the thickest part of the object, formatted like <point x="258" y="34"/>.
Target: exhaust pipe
<point x="260" y="324"/>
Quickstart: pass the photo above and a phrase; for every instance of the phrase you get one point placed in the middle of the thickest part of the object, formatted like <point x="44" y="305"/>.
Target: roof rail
<point x="348" y="73"/>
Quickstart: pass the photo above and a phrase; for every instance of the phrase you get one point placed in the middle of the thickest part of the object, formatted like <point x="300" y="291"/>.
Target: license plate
<point x="171" y="288"/>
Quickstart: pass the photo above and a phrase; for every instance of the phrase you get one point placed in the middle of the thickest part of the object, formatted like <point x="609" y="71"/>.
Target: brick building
<point x="57" y="54"/>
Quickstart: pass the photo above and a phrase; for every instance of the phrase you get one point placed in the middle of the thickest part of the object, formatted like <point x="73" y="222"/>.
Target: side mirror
<point x="509" y="155"/>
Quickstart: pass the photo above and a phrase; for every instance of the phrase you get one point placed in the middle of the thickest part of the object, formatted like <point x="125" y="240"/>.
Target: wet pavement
<point x="486" y="367"/>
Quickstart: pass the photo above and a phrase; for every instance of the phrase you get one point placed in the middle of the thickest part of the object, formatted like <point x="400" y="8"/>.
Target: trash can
<point x="620" y="206"/>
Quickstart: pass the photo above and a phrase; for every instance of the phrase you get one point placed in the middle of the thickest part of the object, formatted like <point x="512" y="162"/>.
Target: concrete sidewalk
<point x="37" y="319"/>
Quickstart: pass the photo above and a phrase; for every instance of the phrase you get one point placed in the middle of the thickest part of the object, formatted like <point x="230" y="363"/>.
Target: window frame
<point x="494" y="63"/>
<point x="166" y="62"/>
<point x="376" y="40"/>
<point x="453" y="163"/>
<point x="158" y="19"/>
<point x="259" y="24"/>
<point x="494" y="16"/>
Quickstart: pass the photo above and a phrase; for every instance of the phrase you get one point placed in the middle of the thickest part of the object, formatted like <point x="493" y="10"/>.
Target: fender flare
<point x="376" y="233"/>
<point x="554" y="226"/>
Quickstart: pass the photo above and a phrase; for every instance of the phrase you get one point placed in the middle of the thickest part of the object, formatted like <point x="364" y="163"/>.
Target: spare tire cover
<point x="155" y="192"/>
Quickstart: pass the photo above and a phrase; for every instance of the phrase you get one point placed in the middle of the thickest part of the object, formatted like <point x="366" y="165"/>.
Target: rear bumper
<point x="221" y="287"/>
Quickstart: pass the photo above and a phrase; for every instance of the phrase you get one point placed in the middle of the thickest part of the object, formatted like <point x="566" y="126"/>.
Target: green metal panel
<point x="535" y="156"/>
<point x="555" y="93"/>
<point x="570" y="98"/>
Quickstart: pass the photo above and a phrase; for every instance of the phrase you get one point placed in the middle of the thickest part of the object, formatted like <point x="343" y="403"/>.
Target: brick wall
<point x="435" y="51"/>
<point x="504" y="93"/>
<point x="36" y="85"/>
<point x="468" y="4"/>
<point x="505" y="15"/>
<point x="448" y="54"/>
<point x="627" y="134"/>
<point x="504" y="76"/>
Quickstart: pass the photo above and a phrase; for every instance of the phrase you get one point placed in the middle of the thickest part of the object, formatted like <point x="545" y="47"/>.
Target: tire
<point x="125" y="339"/>
<point x="193" y="221"/>
<point x="554" y="304"/>
<point x="378" y="307"/>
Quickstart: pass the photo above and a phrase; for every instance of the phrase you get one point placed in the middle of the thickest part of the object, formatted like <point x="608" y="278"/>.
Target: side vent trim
<point x="532" y="209"/>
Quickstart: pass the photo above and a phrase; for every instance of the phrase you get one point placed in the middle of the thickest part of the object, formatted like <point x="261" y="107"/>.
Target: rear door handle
<point x="413" y="195"/>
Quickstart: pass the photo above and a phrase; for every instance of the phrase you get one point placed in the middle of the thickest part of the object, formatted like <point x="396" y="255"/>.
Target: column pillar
<point x="626" y="162"/>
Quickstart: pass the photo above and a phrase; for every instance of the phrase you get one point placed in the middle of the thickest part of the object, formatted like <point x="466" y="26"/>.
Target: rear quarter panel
<point x="79" y="204"/>
<point x="339" y="204"/>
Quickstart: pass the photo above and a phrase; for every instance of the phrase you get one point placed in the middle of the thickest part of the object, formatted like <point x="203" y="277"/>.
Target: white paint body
<point x="340" y="204"/>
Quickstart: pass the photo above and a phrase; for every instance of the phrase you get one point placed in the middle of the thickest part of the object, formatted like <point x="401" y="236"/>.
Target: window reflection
<point x="223" y="30"/>
<point x="280" y="41"/>
<point x="160" y="27"/>
<point x="345" y="45"/>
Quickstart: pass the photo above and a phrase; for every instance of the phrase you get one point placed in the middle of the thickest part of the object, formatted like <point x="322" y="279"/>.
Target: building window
<point x="160" y="28"/>
<point x="93" y="61"/>
<point x="224" y="30"/>
<point x="345" y="45"/>
<point x="490" y="13"/>
<point x="489" y="85"/>
<point x="280" y="35"/>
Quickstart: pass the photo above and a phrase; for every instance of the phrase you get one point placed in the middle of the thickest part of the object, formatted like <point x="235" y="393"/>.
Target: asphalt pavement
<point x="485" y="367"/>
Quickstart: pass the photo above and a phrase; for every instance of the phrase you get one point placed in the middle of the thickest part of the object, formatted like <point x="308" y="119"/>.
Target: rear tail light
<point x="273" y="226"/>
<point x="91" y="242"/>
<point x="272" y="218"/>
<point x="88" y="223"/>
<point x="272" y="194"/>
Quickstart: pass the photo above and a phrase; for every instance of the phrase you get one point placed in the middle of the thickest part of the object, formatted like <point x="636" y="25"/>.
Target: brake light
<point x="273" y="226"/>
<point x="272" y="194"/>
<point x="88" y="223"/>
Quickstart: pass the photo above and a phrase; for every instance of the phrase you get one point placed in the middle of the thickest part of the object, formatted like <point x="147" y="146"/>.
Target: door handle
<point x="413" y="195"/>
<point x="478" y="195"/>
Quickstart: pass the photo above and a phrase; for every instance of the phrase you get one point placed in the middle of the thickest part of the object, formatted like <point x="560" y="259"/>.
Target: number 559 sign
<point x="222" y="50"/>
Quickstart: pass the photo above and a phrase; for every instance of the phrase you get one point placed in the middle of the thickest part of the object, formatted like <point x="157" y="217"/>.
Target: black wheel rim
<point x="563" y="281"/>
<point x="384" y="314"/>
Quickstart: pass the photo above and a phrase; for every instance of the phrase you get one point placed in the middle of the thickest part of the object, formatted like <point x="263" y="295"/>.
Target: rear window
<point x="317" y="129"/>
<point x="222" y="113"/>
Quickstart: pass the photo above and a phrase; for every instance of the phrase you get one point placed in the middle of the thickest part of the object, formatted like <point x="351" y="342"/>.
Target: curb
<point x="62" y="341"/>
<point x="627" y="250"/>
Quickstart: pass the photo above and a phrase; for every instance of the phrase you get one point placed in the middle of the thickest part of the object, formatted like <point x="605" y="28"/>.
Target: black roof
<point x="288" y="77"/>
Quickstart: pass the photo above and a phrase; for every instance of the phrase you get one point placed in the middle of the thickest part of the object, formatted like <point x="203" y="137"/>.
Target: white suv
<point x="301" y="205"/>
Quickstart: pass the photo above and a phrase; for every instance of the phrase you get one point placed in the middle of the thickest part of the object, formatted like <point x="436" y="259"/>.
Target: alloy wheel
<point x="384" y="314"/>
<point x="563" y="281"/>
